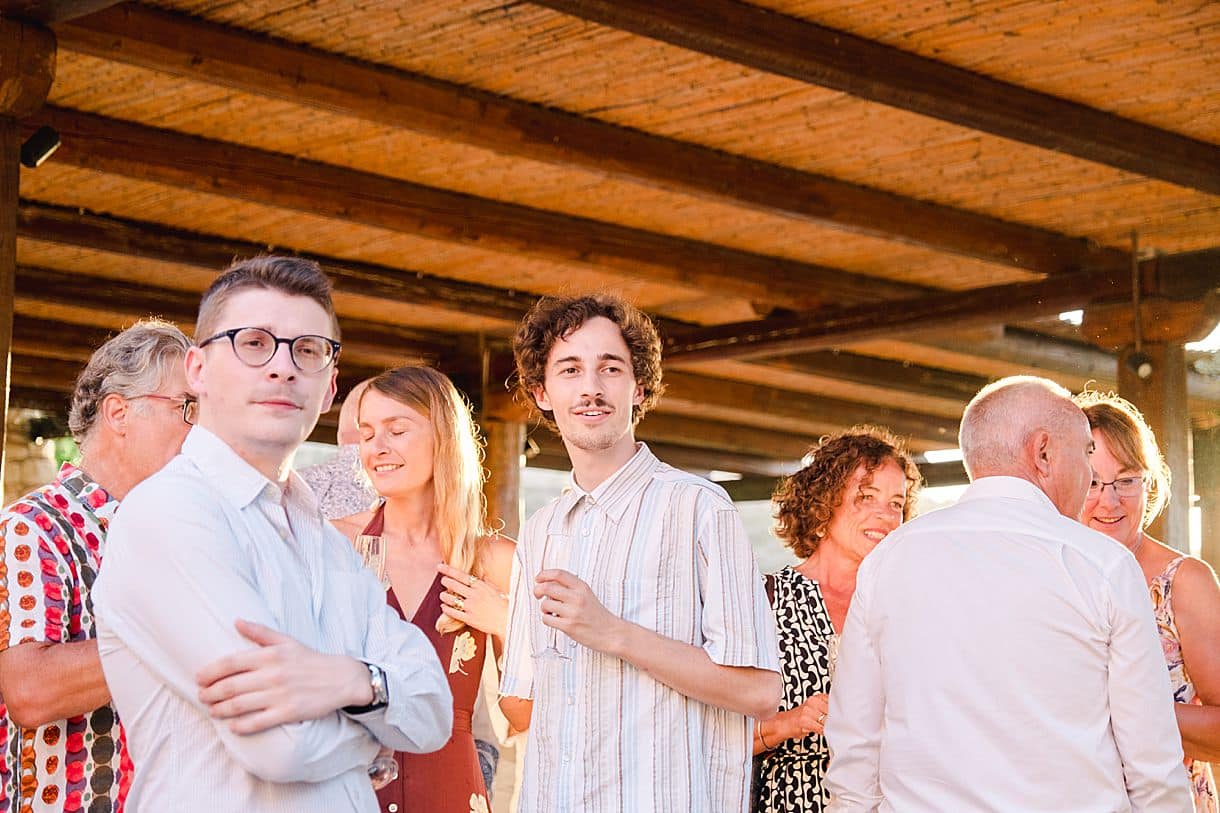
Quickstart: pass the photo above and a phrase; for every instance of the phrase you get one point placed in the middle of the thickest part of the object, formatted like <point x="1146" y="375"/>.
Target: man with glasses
<point x="253" y="658"/>
<point x="63" y="746"/>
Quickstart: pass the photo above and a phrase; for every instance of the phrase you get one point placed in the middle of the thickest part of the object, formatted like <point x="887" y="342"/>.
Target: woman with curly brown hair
<point x="857" y="487"/>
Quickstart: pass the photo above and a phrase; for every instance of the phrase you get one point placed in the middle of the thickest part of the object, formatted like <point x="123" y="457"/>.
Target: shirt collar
<point x="613" y="495"/>
<point x="87" y="492"/>
<point x="1014" y="488"/>
<point x="235" y="479"/>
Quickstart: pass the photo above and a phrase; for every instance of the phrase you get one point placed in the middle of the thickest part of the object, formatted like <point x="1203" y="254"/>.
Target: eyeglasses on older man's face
<point x="189" y="406"/>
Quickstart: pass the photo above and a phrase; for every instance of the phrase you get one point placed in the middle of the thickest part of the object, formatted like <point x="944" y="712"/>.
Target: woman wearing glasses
<point x="1130" y="487"/>
<point x="444" y="572"/>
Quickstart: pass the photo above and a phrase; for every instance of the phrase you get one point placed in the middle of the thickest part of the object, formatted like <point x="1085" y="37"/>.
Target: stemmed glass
<point x="372" y="550"/>
<point x="832" y="655"/>
<point x="552" y="651"/>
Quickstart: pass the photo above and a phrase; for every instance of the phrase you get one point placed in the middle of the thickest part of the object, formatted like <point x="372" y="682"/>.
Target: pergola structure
<point x="839" y="212"/>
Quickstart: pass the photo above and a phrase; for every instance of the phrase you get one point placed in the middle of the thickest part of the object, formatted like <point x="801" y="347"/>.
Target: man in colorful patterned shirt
<point x="63" y="746"/>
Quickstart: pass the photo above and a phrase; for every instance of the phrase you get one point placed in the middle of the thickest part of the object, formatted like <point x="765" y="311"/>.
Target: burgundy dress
<point x="448" y="780"/>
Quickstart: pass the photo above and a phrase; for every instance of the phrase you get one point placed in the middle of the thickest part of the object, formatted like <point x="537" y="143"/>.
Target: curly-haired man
<point x="640" y="640"/>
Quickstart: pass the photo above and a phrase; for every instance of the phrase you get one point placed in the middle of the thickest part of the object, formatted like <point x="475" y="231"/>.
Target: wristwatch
<point x="381" y="693"/>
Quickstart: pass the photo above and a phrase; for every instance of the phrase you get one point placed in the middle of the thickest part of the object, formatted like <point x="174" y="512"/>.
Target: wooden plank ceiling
<point x="839" y="212"/>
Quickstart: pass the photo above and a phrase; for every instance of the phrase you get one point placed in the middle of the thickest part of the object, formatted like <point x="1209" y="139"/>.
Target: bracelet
<point x="763" y="739"/>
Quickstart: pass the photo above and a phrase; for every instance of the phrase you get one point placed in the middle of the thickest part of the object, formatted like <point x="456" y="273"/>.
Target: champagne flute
<point x="383" y="770"/>
<point x="552" y="651"/>
<point x="372" y="550"/>
<point x="832" y="655"/>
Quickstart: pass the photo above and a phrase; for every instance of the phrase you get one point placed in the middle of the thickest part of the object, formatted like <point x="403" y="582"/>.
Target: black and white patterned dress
<point x="788" y="779"/>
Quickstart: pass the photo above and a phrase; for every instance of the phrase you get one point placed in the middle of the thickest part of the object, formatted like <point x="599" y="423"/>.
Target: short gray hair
<point x="1001" y="417"/>
<point x="135" y="362"/>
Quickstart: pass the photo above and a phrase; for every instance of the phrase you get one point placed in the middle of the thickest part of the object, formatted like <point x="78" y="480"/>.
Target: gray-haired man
<point x="62" y="745"/>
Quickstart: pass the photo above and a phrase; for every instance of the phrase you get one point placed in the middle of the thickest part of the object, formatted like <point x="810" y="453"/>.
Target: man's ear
<point x="193" y="364"/>
<point x="541" y="399"/>
<point x="638" y="397"/>
<point x="331" y="391"/>
<point x="114" y="412"/>
<point x="1041" y="447"/>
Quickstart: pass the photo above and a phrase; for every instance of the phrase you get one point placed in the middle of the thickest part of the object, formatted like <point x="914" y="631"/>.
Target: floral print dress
<point x="449" y="780"/>
<point x="1202" y="782"/>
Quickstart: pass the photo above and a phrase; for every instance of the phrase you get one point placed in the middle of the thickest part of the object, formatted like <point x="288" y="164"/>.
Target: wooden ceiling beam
<point x="325" y="190"/>
<point x="799" y="406"/>
<point x="834" y="327"/>
<point x="207" y="52"/>
<point x="368" y="341"/>
<point x="902" y="377"/>
<point x="768" y="41"/>
<point x="66" y="226"/>
<point x="50" y="11"/>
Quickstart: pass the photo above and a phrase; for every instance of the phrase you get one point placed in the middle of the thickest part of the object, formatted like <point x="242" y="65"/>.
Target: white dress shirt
<point x="209" y="540"/>
<point x="999" y="656"/>
<point x="666" y="550"/>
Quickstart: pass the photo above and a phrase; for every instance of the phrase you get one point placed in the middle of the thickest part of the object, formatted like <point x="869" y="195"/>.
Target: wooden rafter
<point x="802" y="407"/>
<point x="206" y="52"/>
<point x="272" y="179"/>
<point x="58" y="224"/>
<point x="50" y="11"/>
<point x="833" y="327"/>
<point x="369" y="341"/>
<point x="772" y="42"/>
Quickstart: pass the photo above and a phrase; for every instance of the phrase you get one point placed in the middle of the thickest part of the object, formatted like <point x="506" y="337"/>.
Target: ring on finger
<point x="472" y="579"/>
<point x="822" y="718"/>
<point x="459" y="603"/>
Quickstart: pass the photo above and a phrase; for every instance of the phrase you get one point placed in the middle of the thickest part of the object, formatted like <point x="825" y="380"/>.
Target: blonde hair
<point x="457" y="464"/>
<point x="1132" y="443"/>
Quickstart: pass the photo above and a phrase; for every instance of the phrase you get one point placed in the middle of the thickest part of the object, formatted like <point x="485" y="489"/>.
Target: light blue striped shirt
<point x="666" y="550"/>
<point x="208" y="540"/>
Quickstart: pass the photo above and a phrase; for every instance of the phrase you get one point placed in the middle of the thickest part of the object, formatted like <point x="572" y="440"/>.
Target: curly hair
<point x="1131" y="442"/>
<point x="555" y="318"/>
<point x="806" y="501"/>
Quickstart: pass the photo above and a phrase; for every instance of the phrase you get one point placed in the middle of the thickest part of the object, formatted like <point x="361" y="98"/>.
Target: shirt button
<point x="584" y="531"/>
<point x="393" y="808"/>
<point x="567" y="757"/>
<point x="571" y="700"/>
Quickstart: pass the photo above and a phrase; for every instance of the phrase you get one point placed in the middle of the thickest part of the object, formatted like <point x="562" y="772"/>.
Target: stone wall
<point x="27" y="465"/>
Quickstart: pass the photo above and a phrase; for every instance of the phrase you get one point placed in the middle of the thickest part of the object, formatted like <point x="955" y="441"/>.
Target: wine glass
<point x="832" y="655"/>
<point x="372" y="550"/>
<point x="383" y="770"/>
<point x="552" y="651"/>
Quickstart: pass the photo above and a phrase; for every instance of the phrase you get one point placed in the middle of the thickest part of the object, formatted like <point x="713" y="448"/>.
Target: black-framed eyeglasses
<point x="1123" y="486"/>
<point x="189" y="406"/>
<point x="255" y="347"/>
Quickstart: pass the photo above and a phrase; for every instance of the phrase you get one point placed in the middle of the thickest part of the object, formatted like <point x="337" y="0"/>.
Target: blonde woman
<point x="1130" y="487"/>
<point x="446" y="574"/>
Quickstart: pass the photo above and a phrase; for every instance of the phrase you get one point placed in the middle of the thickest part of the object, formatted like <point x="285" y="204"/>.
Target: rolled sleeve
<point x="34" y="598"/>
<point x="419" y="716"/>
<point x="738" y="625"/>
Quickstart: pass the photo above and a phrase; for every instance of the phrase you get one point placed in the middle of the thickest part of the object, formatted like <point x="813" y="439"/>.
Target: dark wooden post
<point x="1207" y="486"/>
<point x="504" y="424"/>
<point x="27" y="67"/>
<point x="1161" y="394"/>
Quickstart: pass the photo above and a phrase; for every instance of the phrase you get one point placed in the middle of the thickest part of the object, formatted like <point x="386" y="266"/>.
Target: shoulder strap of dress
<point x="376" y="525"/>
<point x="1171" y="570"/>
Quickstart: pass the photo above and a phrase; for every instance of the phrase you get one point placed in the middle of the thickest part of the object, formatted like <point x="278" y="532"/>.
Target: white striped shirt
<point x="666" y="550"/>
<point x="208" y="540"/>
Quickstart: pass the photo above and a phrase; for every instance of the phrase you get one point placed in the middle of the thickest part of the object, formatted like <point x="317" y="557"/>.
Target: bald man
<point x="340" y="483"/>
<point x="998" y="655"/>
